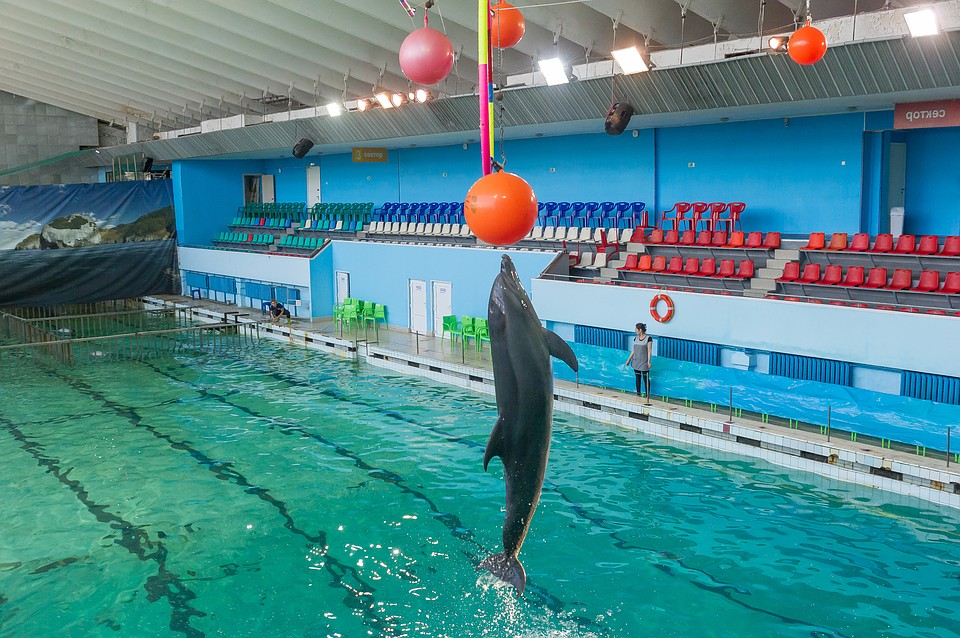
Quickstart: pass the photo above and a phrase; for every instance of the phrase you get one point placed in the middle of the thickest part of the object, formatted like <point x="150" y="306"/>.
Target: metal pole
<point x="948" y="445"/>
<point x="828" y="423"/>
<point x="729" y="420"/>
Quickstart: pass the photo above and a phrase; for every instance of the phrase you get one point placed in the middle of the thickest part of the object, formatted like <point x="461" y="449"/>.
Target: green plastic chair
<point x="482" y="333"/>
<point x="368" y="315"/>
<point x="467" y="329"/>
<point x="451" y="325"/>
<point x="380" y="313"/>
<point x="351" y="316"/>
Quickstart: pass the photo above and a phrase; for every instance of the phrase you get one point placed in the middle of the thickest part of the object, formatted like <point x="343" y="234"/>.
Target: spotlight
<point x="553" y="71"/>
<point x="398" y="98"/>
<point x="363" y="105"/>
<point x="420" y="95"/>
<point x="384" y="99"/>
<point x="923" y="22"/>
<point x="334" y="109"/>
<point x="630" y="60"/>
<point x="778" y="43"/>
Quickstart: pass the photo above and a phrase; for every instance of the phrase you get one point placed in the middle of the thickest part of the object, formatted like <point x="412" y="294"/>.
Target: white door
<point x="267" y="193"/>
<point x="343" y="285"/>
<point x="897" y="181"/>
<point x="442" y="304"/>
<point x="418" y="306"/>
<point x="313" y="186"/>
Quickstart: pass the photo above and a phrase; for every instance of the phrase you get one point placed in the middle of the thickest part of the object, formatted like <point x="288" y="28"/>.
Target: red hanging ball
<point x="507" y="26"/>
<point x="807" y="45"/>
<point x="500" y="208"/>
<point x="426" y="56"/>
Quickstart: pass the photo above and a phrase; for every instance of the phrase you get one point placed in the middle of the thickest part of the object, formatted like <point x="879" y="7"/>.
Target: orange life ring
<point x="655" y="313"/>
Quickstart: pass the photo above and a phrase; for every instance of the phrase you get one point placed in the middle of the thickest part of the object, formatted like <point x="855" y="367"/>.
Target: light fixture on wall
<point x="554" y="71"/>
<point x="363" y="104"/>
<point x="921" y="23"/>
<point x="630" y="60"/>
<point x="384" y="99"/>
<point x="398" y="99"/>
<point x="420" y="95"/>
<point x="778" y="43"/>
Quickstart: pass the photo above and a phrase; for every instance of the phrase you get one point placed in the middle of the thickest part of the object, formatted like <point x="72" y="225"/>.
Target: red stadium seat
<point x="745" y="270"/>
<point x="951" y="246"/>
<point x="631" y="262"/>
<point x="951" y="284"/>
<point x="708" y="268"/>
<point x="692" y="266"/>
<point x="838" y="241"/>
<point x="929" y="281"/>
<point x="727" y="268"/>
<point x="675" y="267"/>
<point x="639" y="236"/>
<point x="718" y="239"/>
<point x="771" y="241"/>
<point x="906" y="244"/>
<point x="815" y="242"/>
<point x="854" y="277"/>
<point x="688" y="238"/>
<point x="754" y="240"/>
<point x="645" y="262"/>
<point x="860" y="243"/>
<point x="671" y="238"/>
<point x="736" y="208"/>
<point x="832" y="275"/>
<point x="656" y="237"/>
<point x="736" y="239"/>
<point x="811" y="274"/>
<point x="877" y="278"/>
<point x="902" y="279"/>
<point x="882" y="244"/>
<point x="659" y="264"/>
<point x="791" y="272"/>
<point x="704" y="238"/>
<point x="929" y="245"/>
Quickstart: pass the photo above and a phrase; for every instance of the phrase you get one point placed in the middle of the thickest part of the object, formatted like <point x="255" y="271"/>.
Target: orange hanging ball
<point x="500" y="208"/>
<point x="507" y="26"/>
<point x="807" y="45"/>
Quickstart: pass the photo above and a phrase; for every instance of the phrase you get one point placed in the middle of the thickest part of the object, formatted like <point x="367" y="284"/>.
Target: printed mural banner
<point x="78" y="243"/>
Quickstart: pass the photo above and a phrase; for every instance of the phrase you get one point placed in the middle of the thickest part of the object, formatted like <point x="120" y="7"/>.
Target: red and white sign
<point x="927" y="114"/>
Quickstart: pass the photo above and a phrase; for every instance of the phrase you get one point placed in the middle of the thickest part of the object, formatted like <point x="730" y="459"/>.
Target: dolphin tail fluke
<point x="507" y="568"/>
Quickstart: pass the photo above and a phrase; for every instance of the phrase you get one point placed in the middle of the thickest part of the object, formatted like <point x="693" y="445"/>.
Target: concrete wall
<point x="32" y="132"/>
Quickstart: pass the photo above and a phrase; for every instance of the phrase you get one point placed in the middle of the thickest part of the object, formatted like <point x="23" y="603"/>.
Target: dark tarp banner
<point x="77" y="215"/>
<point x="82" y="275"/>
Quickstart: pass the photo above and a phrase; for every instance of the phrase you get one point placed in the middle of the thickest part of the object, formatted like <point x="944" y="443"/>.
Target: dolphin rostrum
<point x="523" y="379"/>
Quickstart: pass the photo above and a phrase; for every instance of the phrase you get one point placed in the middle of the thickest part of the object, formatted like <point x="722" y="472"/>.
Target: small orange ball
<point x="507" y="26"/>
<point x="807" y="45"/>
<point x="500" y="208"/>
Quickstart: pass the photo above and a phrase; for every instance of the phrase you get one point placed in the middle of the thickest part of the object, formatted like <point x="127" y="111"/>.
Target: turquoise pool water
<point x="288" y="493"/>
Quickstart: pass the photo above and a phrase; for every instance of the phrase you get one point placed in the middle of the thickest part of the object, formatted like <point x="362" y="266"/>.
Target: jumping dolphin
<point x="523" y="380"/>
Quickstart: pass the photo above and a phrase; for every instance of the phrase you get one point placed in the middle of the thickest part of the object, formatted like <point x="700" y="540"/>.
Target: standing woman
<point x="640" y="358"/>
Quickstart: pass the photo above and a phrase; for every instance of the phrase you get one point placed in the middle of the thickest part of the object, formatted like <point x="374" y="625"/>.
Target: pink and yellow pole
<point x="485" y="82"/>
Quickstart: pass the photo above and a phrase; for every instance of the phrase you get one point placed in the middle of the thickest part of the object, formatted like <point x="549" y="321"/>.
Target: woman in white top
<point x="640" y="358"/>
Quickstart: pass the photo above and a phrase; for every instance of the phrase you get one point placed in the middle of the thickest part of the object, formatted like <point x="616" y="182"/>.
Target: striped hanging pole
<point x="483" y="82"/>
<point x="406" y="7"/>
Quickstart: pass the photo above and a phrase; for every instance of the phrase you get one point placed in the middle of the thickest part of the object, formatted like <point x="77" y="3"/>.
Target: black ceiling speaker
<point x="147" y="165"/>
<point x="301" y="148"/>
<point x="617" y="118"/>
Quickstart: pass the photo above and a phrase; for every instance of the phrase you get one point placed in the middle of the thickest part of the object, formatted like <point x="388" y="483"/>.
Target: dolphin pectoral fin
<point x="507" y="568"/>
<point x="560" y="349"/>
<point x="494" y="443"/>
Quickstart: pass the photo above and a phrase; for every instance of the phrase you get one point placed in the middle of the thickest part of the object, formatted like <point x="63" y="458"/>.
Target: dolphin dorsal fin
<point x="560" y="349"/>
<point x="494" y="443"/>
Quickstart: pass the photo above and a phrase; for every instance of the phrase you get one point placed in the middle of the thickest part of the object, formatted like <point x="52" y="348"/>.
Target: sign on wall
<point x="927" y="114"/>
<point x="369" y="155"/>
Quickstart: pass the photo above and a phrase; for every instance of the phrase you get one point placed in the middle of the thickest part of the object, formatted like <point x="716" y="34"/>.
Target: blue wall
<point x="382" y="272"/>
<point x="933" y="182"/>
<point x="342" y="180"/>
<point x="206" y="195"/>
<point x="289" y="178"/>
<point x="792" y="177"/>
